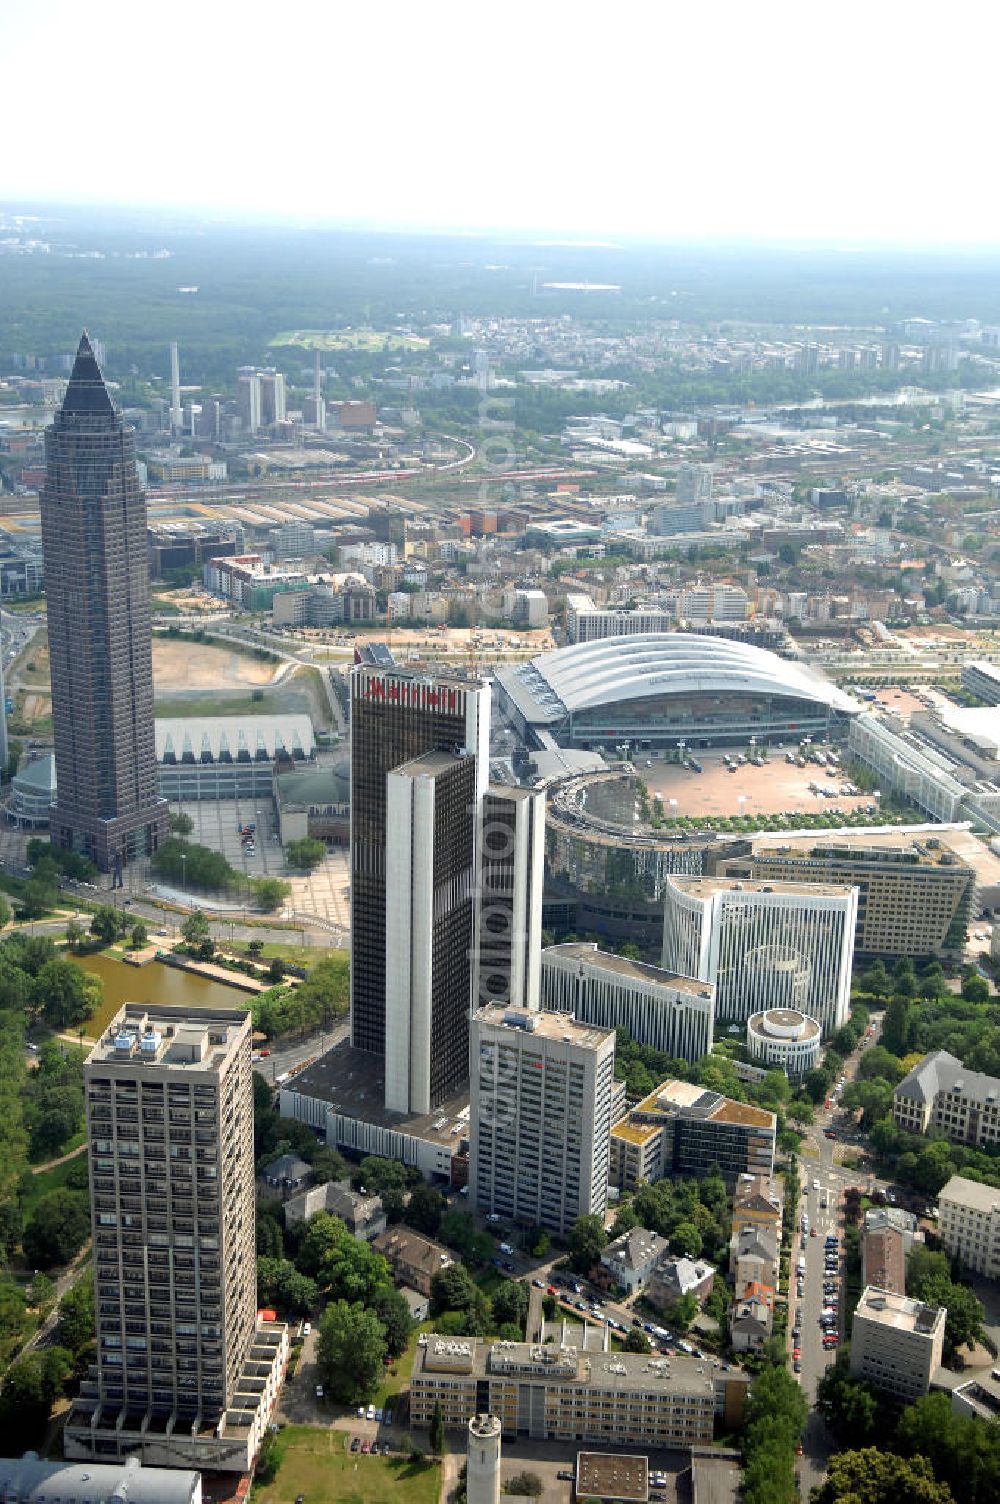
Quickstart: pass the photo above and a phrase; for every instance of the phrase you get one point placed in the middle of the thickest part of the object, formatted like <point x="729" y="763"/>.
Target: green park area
<point x="348" y="339"/>
<point x="316" y="1462"/>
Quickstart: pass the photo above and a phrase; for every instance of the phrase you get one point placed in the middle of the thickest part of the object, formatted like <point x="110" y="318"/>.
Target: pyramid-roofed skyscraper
<point x="100" y="637"/>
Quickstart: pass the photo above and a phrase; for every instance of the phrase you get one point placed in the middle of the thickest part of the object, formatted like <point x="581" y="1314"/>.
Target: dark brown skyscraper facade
<point x="397" y="714"/>
<point x="100" y="638"/>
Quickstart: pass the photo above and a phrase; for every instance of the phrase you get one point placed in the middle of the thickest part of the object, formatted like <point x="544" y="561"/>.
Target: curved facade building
<point x="786" y="1038"/>
<point x="763" y="944"/>
<point x="669" y="1013"/>
<point x="658" y="688"/>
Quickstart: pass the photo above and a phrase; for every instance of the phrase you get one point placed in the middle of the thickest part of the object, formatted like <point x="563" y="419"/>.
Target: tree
<point x="75" y="934"/>
<point x="587" y="1238"/>
<point x="29" y="1389"/>
<point x="527" y="1485"/>
<point x="452" y="1289"/>
<point x="389" y="1305"/>
<point x="351" y="1352"/>
<point x="60" y="994"/>
<point x="686" y="1240"/>
<point x="875" y="979"/>
<point x="269" y="893"/>
<point x="976" y="990"/>
<point x="181" y="824"/>
<point x="38" y="897"/>
<point x="896" y="1025"/>
<point x="436" y="1436"/>
<point x="869" y="1476"/>
<point x="12" y="1309"/>
<point x="510" y="1302"/>
<point x="76" y="1315"/>
<point x="684" y="1310"/>
<point x="458" y="1231"/>
<point x="636" y="1341"/>
<point x="139" y="935"/>
<point x="964" y="1322"/>
<point x="350" y="1269"/>
<point x="197" y="935"/>
<point x="57" y="1229"/>
<point x="847" y="1405"/>
<point x="108" y="924"/>
<point x="963" y="1450"/>
<point x="306" y="853"/>
<point x="424" y="1209"/>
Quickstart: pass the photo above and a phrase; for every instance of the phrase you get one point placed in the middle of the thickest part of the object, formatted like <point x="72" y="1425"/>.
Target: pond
<point x="153" y="983"/>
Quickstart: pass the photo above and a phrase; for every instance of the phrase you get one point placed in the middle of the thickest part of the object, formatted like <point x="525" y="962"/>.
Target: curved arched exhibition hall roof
<point x="617" y="669"/>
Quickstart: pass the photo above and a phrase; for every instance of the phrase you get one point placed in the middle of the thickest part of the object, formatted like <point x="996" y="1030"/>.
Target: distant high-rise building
<point x="184" y="1376"/>
<point x="430" y="898"/>
<point x="509" y="914"/>
<point x="397" y="715"/>
<point x="540" y="1116"/>
<point x="694" y="482"/>
<point x="272" y="397"/>
<point x="176" y="416"/>
<point x="248" y="398"/>
<point x="100" y="638"/>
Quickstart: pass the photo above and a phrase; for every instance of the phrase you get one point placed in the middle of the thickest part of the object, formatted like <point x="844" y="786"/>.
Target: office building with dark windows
<point x="108" y="805"/>
<point x="186" y="1375"/>
<point x="398" y="715"/>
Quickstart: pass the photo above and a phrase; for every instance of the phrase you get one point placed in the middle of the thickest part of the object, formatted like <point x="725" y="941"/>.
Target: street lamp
<point x="184" y="871"/>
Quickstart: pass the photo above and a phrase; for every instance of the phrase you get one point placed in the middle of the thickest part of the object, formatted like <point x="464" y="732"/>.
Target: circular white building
<point x="483" y="1460"/>
<point x="786" y="1038"/>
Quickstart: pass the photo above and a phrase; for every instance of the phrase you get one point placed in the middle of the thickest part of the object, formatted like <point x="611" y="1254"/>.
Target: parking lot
<point x="775" y="787"/>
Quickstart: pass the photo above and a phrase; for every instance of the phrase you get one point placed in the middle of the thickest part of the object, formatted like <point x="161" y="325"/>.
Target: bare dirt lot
<point x="184" y="665"/>
<point x="777" y="786"/>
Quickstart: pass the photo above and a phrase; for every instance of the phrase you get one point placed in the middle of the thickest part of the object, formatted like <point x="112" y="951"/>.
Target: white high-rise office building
<point x="763" y="945"/>
<point x="540" y="1116"/>
<point x="429" y="910"/>
<point x="509" y="909"/>
<point x="667" y="1012"/>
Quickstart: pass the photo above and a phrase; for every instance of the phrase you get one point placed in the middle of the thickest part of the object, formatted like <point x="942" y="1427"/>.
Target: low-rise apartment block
<point x="557" y="1392"/>
<point x="942" y="1095"/>
<point x="896" y="1343"/>
<point x="685" y="1129"/>
<point x="969" y="1224"/>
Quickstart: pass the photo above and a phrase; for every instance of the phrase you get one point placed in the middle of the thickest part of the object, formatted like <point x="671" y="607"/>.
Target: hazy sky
<point x="673" y="118"/>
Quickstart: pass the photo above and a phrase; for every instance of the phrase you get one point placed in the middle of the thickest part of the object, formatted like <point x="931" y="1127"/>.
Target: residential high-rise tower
<point x="100" y="638"/>
<point x="185" y="1375"/>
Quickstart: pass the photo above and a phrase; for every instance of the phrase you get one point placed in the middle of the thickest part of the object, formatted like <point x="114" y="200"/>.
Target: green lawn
<point x="48" y="1180"/>
<point x="315" y="1462"/>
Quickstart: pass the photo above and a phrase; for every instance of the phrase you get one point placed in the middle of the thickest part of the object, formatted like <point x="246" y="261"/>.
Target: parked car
<point x="355" y="1443"/>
